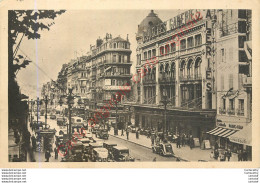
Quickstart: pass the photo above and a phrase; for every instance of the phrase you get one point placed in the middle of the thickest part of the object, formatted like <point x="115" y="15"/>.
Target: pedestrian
<point x="136" y="134"/>
<point x="183" y="140"/>
<point x="157" y="140"/>
<point x="152" y="139"/>
<point x="239" y="152"/>
<point x="122" y="132"/>
<point x="178" y="141"/>
<point x="228" y="154"/>
<point x="216" y="145"/>
<point x="56" y="153"/>
<point x="127" y="133"/>
<point x="191" y="142"/>
<point x="33" y="142"/>
<point x="47" y="155"/>
<point x="216" y="154"/>
<point x="244" y="155"/>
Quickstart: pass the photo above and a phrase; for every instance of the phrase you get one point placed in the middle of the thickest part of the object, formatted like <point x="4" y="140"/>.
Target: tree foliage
<point x="28" y="23"/>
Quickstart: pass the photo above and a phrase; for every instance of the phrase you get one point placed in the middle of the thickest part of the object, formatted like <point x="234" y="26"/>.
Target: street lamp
<point x="115" y="129"/>
<point x="46" y="103"/>
<point x="70" y="102"/>
<point x="164" y="101"/>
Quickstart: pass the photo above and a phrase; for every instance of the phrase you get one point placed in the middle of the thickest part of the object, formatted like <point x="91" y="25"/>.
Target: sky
<point x="71" y="36"/>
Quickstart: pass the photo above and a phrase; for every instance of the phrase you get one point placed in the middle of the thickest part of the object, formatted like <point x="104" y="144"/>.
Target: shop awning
<point x="243" y="136"/>
<point x="215" y="130"/>
<point x="222" y="132"/>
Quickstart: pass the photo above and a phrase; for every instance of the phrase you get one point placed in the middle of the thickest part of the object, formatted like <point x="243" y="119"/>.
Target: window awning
<point x="243" y="136"/>
<point x="222" y="132"/>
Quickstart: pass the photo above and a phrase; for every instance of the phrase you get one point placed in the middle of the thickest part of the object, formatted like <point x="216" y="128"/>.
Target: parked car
<point x="133" y="128"/>
<point x="91" y="148"/>
<point x="102" y="133"/>
<point x="100" y="154"/>
<point x="53" y="116"/>
<point x="61" y="121"/>
<point x="163" y="149"/>
<point x="109" y="146"/>
<point x="121" y="153"/>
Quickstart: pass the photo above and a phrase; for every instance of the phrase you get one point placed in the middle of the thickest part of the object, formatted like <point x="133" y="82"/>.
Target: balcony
<point x="232" y="29"/>
<point x="147" y="81"/>
<point x="222" y="110"/>
<point x="190" y="78"/>
<point x="117" y="74"/>
<point x="123" y="88"/>
<point x="231" y="111"/>
<point x="240" y="112"/>
<point x="167" y="80"/>
<point x="106" y="62"/>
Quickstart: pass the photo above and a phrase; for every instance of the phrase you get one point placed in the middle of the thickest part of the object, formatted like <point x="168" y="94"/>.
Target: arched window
<point x="172" y="72"/>
<point x="190" y="68"/>
<point x="153" y="73"/>
<point x="149" y="73"/>
<point x="161" y="68"/>
<point x="198" y="68"/>
<point x="182" y="69"/>
<point x="167" y="69"/>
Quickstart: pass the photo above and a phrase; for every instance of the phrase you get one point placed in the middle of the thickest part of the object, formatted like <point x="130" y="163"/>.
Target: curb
<point x="146" y="147"/>
<point x="131" y="142"/>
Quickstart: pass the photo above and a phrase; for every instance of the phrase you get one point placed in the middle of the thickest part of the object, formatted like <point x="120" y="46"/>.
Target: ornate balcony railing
<point x="170" y="80"/>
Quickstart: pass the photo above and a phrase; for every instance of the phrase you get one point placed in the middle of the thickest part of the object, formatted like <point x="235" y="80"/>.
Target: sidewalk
<point x="184" y="153"/>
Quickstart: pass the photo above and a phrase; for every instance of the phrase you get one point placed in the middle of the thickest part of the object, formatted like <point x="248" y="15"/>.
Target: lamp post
<point x="46" y="104"/>
<point x="115" y="129"/>
<point x="165" y="101"/>
<point x="60" y="102"/>
<point x="70" y="102"/>
<point x="38" y="109"/>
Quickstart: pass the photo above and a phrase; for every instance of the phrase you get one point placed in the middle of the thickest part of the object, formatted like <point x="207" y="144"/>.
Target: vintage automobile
<point x="164" y="149"/>
<point x="100" y="154"/>
<point x="61" y="121"/>
<point x="53" y="116"/>
<point x="121" y="153"/>
<point x="91" y="148"/>
<point x="77" y="151"/>
<point x="102" y="133"/>
<point x="85" y="141"/>
<point x="133" y="128"/>
<point x="109" y="146"/>
<point x="95" y="129"/>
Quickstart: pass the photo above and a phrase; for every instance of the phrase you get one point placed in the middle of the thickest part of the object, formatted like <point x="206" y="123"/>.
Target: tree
<point x="26" y="23"/>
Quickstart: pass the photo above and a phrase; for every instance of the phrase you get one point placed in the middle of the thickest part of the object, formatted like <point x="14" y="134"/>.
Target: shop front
<point x="231" y="136"/>
<point x="243" y="139"/>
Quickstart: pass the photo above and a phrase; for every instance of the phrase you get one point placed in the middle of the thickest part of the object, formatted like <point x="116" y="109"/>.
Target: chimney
<point x="127" y="38"/>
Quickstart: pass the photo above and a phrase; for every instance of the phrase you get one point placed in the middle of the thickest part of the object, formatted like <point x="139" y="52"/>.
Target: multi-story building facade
<point x="234" y="79"/>
<point x="99" y="75"/>
<point x="180" y="73"/>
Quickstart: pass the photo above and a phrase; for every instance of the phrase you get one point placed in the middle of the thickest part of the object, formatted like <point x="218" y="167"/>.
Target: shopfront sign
<point x="174" y="23"/>
<point x="233" y="126"/>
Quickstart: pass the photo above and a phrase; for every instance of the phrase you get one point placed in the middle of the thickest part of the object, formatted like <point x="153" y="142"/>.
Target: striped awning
<point x="222" y="132"/>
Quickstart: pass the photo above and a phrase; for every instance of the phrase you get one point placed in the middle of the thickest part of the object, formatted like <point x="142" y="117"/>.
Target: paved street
<point x="138" y="152"/>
